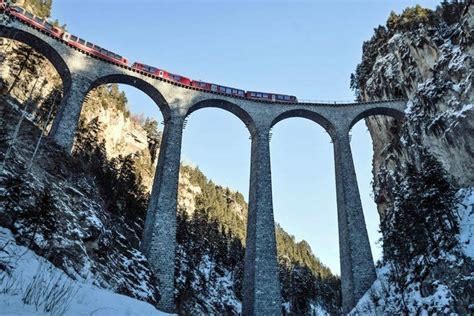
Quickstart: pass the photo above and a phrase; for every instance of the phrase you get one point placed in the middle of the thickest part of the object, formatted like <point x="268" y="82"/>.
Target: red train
<point x="35" y="21"/>
<point x="97" y="51"/>
<point x="217" y="88"/>
<point x="161" y="73"/>
<point x="45" y="26"/>
<point x="93" y="49"/>
<point x="271" y="97"/>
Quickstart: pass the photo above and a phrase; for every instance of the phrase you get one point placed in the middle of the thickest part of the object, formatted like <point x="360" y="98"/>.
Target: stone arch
<point x="233" y="108"/>
<point x="141" y="85"/>
<point x="395" y="113"/>
<point x="44" y="48"/>
<point x="310" y="115"/>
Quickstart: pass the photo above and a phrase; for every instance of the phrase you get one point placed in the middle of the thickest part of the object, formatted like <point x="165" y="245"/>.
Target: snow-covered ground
<point x="26" y="277"/>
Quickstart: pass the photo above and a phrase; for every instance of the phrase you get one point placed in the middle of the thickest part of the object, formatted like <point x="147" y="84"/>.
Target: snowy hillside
<point x="31" y="285"/>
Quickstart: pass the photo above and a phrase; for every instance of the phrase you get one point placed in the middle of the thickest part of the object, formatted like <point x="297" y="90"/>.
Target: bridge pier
<point x="357" y="266"/>
<point x="261" y="285"/>
<point x="159" y="237"/>
<point x="66" y="121"/>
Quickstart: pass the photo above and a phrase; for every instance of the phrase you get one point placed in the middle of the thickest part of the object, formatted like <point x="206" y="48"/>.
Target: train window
<point x="81" y="41"/>
<point x="73" y="38"/>
<point x="234" y="91"/>
<point x="18" y="9"/>
<point x="265" y="95"/>
<point x="39" y="20"/>
<point x="48" y="25"/>
<point x="259" y="95"/>
<point x="90" y="45"/>
<point x="287" y="97"/>
<point x="228" y="90"/>
<point x="241" y="92"/>
<point x="29" y="15"/>
<point x="252" y="94"/>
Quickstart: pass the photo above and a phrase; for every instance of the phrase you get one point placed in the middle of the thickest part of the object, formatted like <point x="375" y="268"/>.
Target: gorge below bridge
<point x="80" y="73"/>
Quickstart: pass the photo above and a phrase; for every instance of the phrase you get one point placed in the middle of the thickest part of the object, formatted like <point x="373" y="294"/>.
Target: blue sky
<point x="303" y="48"/>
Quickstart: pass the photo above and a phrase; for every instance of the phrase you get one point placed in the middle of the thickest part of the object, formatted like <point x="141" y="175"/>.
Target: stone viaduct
<point x="81" y="73"/>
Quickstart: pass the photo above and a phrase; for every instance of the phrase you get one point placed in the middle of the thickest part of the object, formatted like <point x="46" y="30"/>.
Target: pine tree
<point x="16" y="191"/>
<point x="153" y="136"/>
<point x="40" y="216"/>
<point x="421" y="221"/>
<point x="27" y="60"/>
<point x="50" y="105"/>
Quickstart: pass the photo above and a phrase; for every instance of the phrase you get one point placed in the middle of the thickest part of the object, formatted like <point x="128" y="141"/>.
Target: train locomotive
<point x="94" y="50"/>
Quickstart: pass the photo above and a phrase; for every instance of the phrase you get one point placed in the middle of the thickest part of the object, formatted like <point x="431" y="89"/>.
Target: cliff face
<point x="427" y="57"/>
<point x="431" y="65"/>
<point x="26" y="75"/>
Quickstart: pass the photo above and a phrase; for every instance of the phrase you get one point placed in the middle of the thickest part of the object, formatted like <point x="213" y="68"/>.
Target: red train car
<point x="174" y="77"/>
<point x="271" y="97"/>
<point x="217" y="88"/>
<point x="35" y="21"/>
<point x="162" y="73"/>
<point x="94" y="49"/>
<point x="145" y="68"/>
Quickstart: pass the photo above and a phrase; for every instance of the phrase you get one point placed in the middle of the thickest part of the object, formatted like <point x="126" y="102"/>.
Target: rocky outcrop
<point x="427" y="57"/>
<point x="431" y="65"/>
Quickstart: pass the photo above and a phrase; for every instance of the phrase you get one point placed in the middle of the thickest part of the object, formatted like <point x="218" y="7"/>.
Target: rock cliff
<point x="427" y="57"/>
